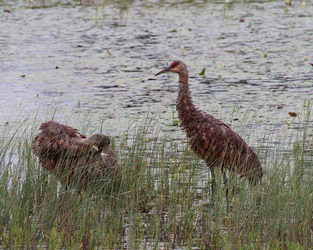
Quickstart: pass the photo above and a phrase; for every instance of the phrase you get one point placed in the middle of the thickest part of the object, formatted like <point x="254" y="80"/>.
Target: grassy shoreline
<point x="164" y="201"/>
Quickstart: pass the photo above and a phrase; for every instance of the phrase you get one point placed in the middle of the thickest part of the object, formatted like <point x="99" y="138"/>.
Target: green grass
<point x="164" y="200"/>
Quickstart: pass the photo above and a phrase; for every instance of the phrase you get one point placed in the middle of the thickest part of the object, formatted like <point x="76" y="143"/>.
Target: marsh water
<point x="99" y="59"/>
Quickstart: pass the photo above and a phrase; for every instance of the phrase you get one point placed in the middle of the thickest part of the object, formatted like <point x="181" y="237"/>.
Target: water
<point x="100" y="59"/>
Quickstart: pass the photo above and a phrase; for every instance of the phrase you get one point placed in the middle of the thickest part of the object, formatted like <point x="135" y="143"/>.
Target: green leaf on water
<point x="202" y="73"/>
<point x="175" y="123"/>
<point x="265" y="55"/>
<point x="173" y="31"/>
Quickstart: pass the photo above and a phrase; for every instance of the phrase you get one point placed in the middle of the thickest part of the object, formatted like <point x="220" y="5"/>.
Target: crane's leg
<point x="213" y="182"/>
<point x="225" y="181"/>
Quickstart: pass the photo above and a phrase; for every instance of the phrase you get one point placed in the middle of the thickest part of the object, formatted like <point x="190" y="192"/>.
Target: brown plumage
<point x="78" y="161"/>
<point x="210" y="138"/>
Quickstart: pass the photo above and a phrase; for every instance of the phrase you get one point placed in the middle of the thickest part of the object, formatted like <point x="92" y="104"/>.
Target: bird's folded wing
<point x="58" y="147"/>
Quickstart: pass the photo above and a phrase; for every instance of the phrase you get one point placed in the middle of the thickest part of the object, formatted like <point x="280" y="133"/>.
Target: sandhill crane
<point x="211" y="139"/>
<point x="78" y="161"/>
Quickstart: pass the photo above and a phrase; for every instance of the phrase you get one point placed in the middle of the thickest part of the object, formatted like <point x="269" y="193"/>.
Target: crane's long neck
<point x="187" y="112"/>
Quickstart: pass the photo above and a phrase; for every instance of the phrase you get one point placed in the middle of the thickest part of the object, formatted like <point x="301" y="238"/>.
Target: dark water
<point x="100" y="59"/>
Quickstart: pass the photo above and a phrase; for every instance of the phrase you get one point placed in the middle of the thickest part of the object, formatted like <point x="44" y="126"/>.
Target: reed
<point x="163" y="201"/>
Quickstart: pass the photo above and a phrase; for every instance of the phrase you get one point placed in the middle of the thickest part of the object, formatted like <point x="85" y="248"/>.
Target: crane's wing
<point x="56" y="139"/>
<point x="217" y="143"/>
<point x="55" y="129"/>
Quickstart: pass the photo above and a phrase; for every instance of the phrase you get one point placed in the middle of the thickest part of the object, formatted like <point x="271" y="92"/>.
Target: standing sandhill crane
<point x="77" y="161"/>
<point x="210" y="138"/>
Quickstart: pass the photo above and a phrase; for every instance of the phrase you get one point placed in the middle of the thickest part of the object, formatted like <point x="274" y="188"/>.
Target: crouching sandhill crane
<point x="210" y="138"/>
<point x="78" y="161"/>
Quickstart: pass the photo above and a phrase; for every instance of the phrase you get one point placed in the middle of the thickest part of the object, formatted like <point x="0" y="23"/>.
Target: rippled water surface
<point x="99" y="58"/>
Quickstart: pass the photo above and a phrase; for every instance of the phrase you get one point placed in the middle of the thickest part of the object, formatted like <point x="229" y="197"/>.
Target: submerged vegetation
<point x="163" y="201"/>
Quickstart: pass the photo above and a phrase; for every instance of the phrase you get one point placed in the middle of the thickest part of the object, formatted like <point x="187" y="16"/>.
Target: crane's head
<point x="98" y="140"/>
<point x="176" y="67"/>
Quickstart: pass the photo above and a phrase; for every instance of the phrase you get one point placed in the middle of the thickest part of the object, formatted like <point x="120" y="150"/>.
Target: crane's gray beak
<point x="163" y="71"/>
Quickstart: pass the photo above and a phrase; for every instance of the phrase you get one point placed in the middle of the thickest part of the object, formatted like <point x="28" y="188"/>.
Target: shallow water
<point x="100" y="59"/>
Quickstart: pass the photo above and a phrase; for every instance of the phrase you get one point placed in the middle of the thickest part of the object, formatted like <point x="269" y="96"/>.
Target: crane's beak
<point x="168" y="69"/>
